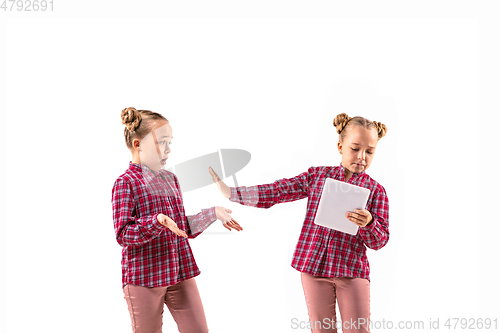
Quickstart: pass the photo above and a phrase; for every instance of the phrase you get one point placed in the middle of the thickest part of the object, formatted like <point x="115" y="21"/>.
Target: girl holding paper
<point x="333" y="265"/>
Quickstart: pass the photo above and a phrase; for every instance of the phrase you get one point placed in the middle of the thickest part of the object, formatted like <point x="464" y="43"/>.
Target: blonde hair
<point x="342" y="121"/>
<point x="138" y="124"/>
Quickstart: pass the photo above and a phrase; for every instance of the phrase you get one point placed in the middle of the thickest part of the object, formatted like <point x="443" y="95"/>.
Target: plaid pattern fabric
<point x="152" y="255"/>
<point x="322" y="251"/>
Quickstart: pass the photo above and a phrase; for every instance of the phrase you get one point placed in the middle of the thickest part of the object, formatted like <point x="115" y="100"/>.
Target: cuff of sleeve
<point x="234" y="194"/>
<point x="371" y="225"/>
<point x="245" y="195"/>
<point x="207" y="217"/>
<point x="209" y="213"/>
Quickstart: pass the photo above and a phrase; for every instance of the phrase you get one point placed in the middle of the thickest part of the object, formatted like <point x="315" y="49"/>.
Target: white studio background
<point x="271" y="87"/>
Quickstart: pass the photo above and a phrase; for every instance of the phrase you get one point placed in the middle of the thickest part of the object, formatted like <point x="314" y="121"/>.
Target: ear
<point x="339" y="147"/>
<point x="135" y="144"/>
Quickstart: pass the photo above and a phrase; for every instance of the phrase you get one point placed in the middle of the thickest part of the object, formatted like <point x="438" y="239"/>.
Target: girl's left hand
<point x="227" y="221"/>
<point x="361" y="217"/>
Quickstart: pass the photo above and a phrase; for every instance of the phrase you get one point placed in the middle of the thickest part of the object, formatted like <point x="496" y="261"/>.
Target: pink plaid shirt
<point x="152" y="255"/>
<point x="322" y="251"/>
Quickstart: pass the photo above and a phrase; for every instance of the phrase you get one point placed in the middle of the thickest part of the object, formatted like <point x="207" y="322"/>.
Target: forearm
<point x="267" y="195"/>
<point x="200" y="222"/>
<point x="136" y="231"/>
<point x="248" y="196"/>
<point x="130" y="229"/>
<point x="376" y="234"/>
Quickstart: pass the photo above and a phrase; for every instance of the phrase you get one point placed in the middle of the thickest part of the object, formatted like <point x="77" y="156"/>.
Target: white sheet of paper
<point x="338" y="198"/>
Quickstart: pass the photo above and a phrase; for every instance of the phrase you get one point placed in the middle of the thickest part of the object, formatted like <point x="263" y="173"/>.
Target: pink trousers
<point x="352" y="295"/>
<point x="145" y="305"/>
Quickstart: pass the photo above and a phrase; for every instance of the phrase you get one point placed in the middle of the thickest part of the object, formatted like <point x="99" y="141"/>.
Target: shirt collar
<point x="146" y="172"/>
<point x="354" y="174"/>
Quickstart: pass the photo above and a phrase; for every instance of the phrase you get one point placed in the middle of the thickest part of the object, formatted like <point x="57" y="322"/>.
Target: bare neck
<point x="347" y="175"/>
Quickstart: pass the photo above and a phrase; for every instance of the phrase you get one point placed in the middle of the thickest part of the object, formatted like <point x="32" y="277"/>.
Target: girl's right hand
<point x="169" y="223"/>
<point x="224" y="189"/>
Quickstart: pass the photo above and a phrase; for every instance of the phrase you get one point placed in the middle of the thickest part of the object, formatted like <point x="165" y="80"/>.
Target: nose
<point x="361" y="155"/>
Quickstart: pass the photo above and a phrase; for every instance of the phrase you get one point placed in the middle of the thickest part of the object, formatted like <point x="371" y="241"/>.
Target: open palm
<point x="224" y="189"/>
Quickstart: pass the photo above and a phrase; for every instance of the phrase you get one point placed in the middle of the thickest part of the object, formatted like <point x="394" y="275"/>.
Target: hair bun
<point x="131" y="118"/>
<point x="341" y="121"/>
<point x="381" y="129"/>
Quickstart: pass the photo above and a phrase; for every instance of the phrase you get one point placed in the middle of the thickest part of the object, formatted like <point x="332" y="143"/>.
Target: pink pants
<point x="145" y="305"/>
<point x="352" y="295"/>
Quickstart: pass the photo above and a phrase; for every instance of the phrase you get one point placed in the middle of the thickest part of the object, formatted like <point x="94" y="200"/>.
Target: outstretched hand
<point x="227" y="221"/>
<point x="169" y="223"/>
<point x="224" y="189"/>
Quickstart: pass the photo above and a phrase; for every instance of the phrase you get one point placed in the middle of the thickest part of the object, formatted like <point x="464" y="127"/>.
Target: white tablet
<point x="338" y="198"/>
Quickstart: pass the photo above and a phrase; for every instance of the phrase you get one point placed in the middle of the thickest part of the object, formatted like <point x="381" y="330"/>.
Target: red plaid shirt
<point x="322" y="251"/>
<point x="152" y="255"/>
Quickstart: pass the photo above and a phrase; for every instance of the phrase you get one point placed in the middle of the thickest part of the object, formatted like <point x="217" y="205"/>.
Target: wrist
<point x="233" y="193"/>
<point x="160" y="219"/>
